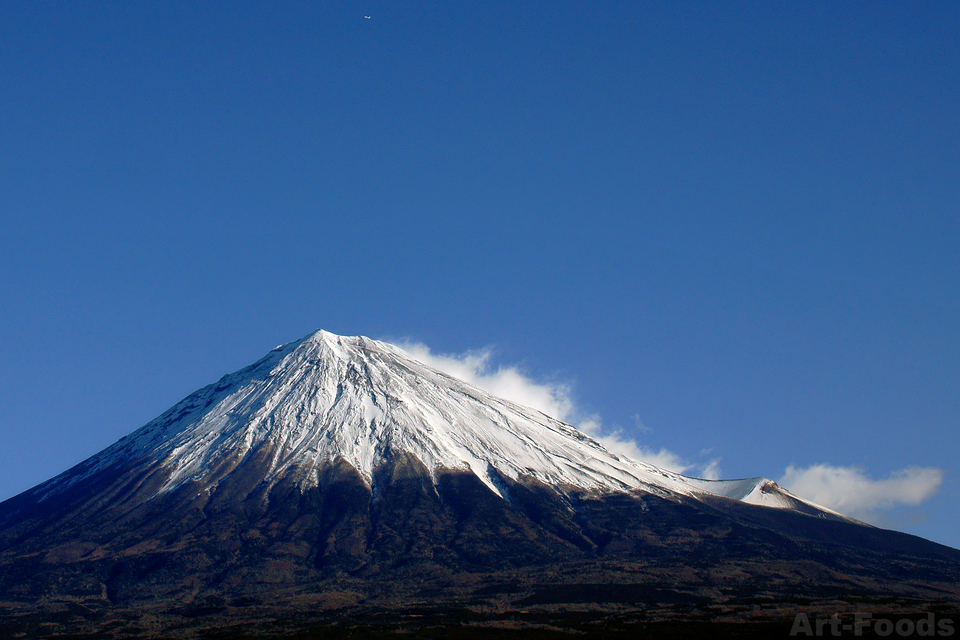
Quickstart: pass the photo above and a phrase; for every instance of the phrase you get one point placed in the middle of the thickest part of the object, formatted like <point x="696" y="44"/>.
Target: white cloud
<point x="711" y="470"/>
<point x="553" y="399"/>
<point x="851" y="491"/>
<point x="616" y="443"/>
<point x="506" y="382"/>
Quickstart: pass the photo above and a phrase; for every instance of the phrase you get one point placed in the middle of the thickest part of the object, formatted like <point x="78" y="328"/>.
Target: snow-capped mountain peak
<point x="328" y="398"/>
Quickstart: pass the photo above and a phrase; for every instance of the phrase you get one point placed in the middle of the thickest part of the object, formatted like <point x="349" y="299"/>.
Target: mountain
<point x="338" y="475"/>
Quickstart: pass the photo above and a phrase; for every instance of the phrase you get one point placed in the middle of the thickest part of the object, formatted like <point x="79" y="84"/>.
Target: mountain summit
<point x="340" y="476"/>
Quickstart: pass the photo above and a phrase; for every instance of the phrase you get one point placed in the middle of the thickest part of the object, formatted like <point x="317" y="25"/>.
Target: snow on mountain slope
<point x="326" y="397"/>
<point x="763" y="492"/>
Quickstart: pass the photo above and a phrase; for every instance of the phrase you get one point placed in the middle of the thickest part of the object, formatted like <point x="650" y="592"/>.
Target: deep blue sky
<point x="739" y="223"/>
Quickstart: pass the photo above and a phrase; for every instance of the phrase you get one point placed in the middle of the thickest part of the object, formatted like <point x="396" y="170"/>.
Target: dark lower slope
<point x="243" y="552"/>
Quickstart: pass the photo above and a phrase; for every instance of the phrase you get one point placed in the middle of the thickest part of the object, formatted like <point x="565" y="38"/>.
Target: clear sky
<point x="727" y="232"/>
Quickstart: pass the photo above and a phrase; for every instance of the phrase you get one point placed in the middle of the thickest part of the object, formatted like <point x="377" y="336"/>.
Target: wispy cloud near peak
<point x="851" y="491"/>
